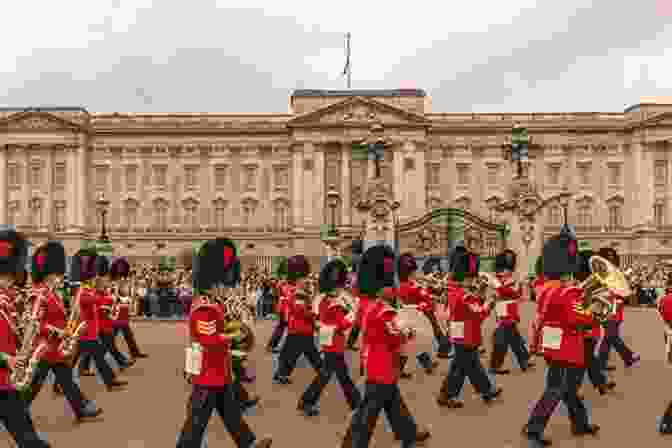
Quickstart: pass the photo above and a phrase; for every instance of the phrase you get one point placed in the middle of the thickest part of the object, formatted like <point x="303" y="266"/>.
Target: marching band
<point x="579" y="295"/>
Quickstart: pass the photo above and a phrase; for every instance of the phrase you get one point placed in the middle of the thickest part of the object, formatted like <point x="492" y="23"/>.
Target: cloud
<point x="199" y="56"/>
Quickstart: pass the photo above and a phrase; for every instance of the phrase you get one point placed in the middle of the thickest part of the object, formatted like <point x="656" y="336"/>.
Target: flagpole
<point x="348" y="67"/>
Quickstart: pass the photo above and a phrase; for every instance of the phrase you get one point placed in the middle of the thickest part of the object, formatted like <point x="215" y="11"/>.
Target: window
<point x="554" y="174"/>
<point x="555" y="215"/>
<point x="280" y="216"/>
<point x="585" y="215"/>
<point x="221" y="176"/>
<point x="660" y="172"/>
<point x="131" y="214"/>
<point x="659" y="214"/>
<point x="281" y="177"/>
<point x="584" y="173"/>
<point x="220" y="214"/>
<point x="60" y="178"/>
<point x="249" y="209"/>
<point x="190" y="174"/>
<point x="250" y="178"/>
<point x="101" y="178"/>
<point x="160" y="173"/>
<point x="131" y="177"/>
<point x="615" y="174"/>
<point x="615" y="216"/>
<point x="36" y="176"/>
<point x="59" y="217"/>
<point x="493" y="174"/>
<point x="191" y="215"/>
<point x="13" y="175"/>
<point x="434" y="174"/>
<point x="463" y="174"/>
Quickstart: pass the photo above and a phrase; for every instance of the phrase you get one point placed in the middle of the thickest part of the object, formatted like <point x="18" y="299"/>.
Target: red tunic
<point x="383" y="339"/>
<point x="105" y="302"/>
<point x="7" y="343"/>
<point x="124" y="304"/>
<point x="562" y="341"/>
<point x="335" y="320"/>
<point x="665" y="307"/>
<point x="286" y="293"/>
<point x="206" y="324"/>
<point x="365" y="302"/>
<point x="301" y="320"/>
<point x="88" y="312"/>
<point x="466" y="317"/>
<point x="54" y="317"/>
<point x="411" y="294"/>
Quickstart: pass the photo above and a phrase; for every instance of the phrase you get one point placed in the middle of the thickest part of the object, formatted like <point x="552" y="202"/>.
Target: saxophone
<point x="29" y="354"/>
<point x="73" y="329"/>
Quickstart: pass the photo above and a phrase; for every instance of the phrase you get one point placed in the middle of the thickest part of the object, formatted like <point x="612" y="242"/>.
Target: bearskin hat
<point x="466" y="264"/>
<point x="560" y="256"/>
<point x="120" y="269"/>
<point x="583" y="269"/>
<point x="333" y="275"/>
<point x="506" y="261"/>
<point x="407" y="265"/>
<point x="87" y="264"/>
<point x="455" y="255"/>
<point x="297" y="267"/>
<point x="357" y="252"/>
<point x="376" y="270"/>
<point x="611" y="255"/>
<point x="13" y="252"/>
<point x="48" y="259"/>
<point x="217" y="263"/>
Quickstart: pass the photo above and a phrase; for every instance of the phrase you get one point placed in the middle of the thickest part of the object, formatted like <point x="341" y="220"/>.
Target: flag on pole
<point x="346" y="69"/>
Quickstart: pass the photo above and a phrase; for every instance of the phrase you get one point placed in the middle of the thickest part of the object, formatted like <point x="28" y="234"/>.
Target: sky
<point x="247" y="56"/>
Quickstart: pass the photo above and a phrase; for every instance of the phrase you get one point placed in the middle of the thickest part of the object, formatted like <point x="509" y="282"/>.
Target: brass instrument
<point x="73" y="329"/>
<point x="604" y="277"/>
<point x="30" y="353"/>
<point x="239" y="321"/>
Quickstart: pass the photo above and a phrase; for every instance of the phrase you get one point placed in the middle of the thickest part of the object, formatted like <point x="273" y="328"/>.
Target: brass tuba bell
<point x="605" y="278"/>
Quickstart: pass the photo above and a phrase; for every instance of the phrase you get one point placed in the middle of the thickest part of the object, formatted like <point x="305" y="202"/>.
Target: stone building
<point x="263" y="178"/>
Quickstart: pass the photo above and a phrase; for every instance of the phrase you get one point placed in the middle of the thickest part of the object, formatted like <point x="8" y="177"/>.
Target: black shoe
<point x="281" y="380"/>
<point x="665" y="428"/>
<point x="500" y="371"/>
<point x="309" y="410"/>
<point x="88" y="415"/>
<point x="247" y="404"/>
<point x="537" y="440"/>
<point x="588" y="430"/>
<point x="529" y="366"/>
<point x="606" y="388"/>
<point x="490" y="397"/>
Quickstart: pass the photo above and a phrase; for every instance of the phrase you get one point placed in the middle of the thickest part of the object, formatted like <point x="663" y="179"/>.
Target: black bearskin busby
<point x="611" y="255"/>
<point x="333" y="275"/>
<point x="506" y="261"/>
<point x="560" y="256"/>
<point x="465" y="264"/>
<point x="13" y="252"/>
<point x="583" y="269"/>
<point x="357" y="252"/>
<point x="297" y="267"/>
<point x="120" y="269"/>
<point x="407" y="266"/>
<point x="48" y="259"/>
<point x="87" y="264"/>
<point x="376" y="270"/>
<point x="217" y="264"/>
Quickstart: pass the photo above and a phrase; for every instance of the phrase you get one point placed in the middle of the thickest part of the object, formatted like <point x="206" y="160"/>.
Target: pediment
<point x="661" y="119"/>
<point x="358" y="111"/>
<point x="37" y="121"/>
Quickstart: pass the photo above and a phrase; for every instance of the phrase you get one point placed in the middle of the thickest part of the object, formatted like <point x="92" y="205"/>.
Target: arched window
<point x="584" y="210"/>
<point x="190" y="215"/>
<point x="615" y="207"/>
<point x="249" y="209"/>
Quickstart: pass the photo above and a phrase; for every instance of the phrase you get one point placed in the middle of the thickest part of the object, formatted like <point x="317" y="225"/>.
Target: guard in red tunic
<point x="665" y="312"/>
<point x="14" y="415"/>
<point x="562" y="317"/>
<point x="357" y="250"/>
<point x="90" y="270"/>
<point x="48" y="270"/>
<point x="612" y="333"/>
<point x="383" y="336"/>
<point x="507" y="302"/>
<point x="208" y="365"/>
<point x="280" y="308"/>
<point x="336" y="315"/>
<point x="119" y="273"/>
<point x="300" y="323"/>
<point x="467" y="313"/>
<point x="535" y="325"/>
<point x="411" y="294"/>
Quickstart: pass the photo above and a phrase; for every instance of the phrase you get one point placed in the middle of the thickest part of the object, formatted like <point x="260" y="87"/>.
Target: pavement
<point x="151" y="411"/>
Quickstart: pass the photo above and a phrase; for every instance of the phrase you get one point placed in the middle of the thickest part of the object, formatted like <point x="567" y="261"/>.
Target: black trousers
<point x="202" y="402"/>
<point x="129" y="337"/>
<point x="334" y="364"/>
<point x="378" y="397"/>
<point x="276" y="336"/>
<point x="109" y="346"/>
<point x="596" y="375"/>
<point x="508" y="336"/>
<point x="17" y="421"/>
<point x="95" y="350"/>
<point x="613" y="339"/>
<point x="442" y="340"/>
<point x="295" y="346"/>
<point x="562" y="384"/>
<point x="64" y="379"/>
<point x="667" y="416"/>
<point x="466" y="363"/>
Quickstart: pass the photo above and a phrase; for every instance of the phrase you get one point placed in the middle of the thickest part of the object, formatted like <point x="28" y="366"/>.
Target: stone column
<point x="648" y="185"/>
<point x="82" y="196"/>
<point x="420" y="181"/>
<point x="174" y="182"/>
<point x="27" y="189"/>
<point x="398" y="188"/>
<point x="48" y="205"/>
<point x="3" y="184"/>
<point x="115" y="211"/>
<point x="346" y="206"/>
<point x="297" y="187"/>
<point x="71" y="188"/>
<point x="319" y="188"/>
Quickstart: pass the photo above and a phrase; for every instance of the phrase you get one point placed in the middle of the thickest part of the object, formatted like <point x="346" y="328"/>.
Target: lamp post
<point x="102" y="204"/>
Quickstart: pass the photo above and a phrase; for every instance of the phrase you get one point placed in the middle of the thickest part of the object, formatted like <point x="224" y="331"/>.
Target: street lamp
<point x="102" y="204"/>
<point x="333" y="198"/>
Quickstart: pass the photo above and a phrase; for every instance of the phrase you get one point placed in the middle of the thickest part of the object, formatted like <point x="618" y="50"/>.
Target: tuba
<point x="604" y="278"/>
<point x="73" y="329"/>
<point x="30" y="352"/>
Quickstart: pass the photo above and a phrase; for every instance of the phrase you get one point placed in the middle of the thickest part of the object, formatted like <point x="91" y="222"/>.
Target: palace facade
<point x="263" y="179"/>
